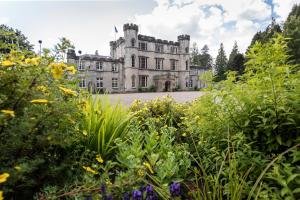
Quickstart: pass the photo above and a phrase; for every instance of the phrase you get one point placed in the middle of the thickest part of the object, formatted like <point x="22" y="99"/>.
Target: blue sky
<point x="90" y="24"/>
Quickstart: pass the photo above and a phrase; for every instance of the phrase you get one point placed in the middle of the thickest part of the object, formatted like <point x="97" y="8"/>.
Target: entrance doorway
<point x="167" y="86"/>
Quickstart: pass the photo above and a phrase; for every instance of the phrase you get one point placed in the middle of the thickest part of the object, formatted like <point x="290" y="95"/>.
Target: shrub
<point x="37" y="123"/>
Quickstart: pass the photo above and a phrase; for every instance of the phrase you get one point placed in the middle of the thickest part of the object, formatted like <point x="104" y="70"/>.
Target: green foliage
<point x="266" y="35"/>
<point x="151" y="157"/>
<point x="37" y="125"/>
<point x="61" y="48"/>
<point x="292" y="31"/>
<point x="103" y="123"/>
<point x="221" y="64"/>
<point x="13" y="39"/>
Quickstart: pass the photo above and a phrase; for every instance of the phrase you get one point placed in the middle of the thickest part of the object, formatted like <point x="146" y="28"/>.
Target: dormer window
<point x="132" y="42"/>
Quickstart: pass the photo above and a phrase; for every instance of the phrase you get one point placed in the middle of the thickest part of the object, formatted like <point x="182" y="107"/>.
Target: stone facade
<point x="136" y="63"/>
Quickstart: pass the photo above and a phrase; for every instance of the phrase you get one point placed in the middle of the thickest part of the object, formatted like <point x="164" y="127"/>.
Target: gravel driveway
<point x="180" y="97"/>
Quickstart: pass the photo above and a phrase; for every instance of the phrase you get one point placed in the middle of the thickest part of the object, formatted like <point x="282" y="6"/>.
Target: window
<point x="82" y="83"/>
<point x="114" y="68"/>
<point x="186" y="50"/>
<point x="99" y="82"/>
<point x="143" y="46"/>
<point x="133" y="42"/>
<point x="80" y="65"/>
<point x="187" y="65"/>
<point x="142" y="62"/>
<point x="99" y="66"/>
<point x="132" y="61"/>
<point x="173" y="64"/>
<point x="173" y="50"/>
<point x="133" y="81"/>
<point x="159" y="48"/>
<point x="159" y="63"/>
<point x="143" y="81"/>
<point x="190" y="83"/>
<point x="114" y="83"/>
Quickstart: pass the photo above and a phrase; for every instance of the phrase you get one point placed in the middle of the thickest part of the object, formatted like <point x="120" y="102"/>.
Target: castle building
<point x="136" y="63"/>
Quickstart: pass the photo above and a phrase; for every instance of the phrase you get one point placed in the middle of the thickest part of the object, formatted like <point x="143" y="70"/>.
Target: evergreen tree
<point x="267" y="34"/>
<point x="195" y="54"/>
<point x="292" y="31"/>
<point x="13" y="39"/>
<point x="221" y="63"/>
<point x="205" y="59"/>
<point x="232" y="55"/>
<point x="238" y="64"/>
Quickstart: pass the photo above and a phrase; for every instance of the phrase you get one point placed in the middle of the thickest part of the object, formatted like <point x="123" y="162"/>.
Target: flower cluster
<point x="175" y="189"/>
<point x="58" y="69"/>
<point x="3" y="178"/>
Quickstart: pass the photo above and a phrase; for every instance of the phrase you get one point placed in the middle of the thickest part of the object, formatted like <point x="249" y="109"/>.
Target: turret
<point x="130" y="34"/>
<point x="184" y="43"/>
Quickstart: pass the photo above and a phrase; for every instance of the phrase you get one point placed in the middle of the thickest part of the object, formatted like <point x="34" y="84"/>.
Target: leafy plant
<point x="103" y="123"/>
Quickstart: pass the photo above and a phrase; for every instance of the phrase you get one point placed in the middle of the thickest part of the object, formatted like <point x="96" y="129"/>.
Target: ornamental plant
<point x="38" y="129"/>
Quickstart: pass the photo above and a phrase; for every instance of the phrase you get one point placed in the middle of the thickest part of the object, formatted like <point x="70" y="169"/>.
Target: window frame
<point x="114" y="83"/>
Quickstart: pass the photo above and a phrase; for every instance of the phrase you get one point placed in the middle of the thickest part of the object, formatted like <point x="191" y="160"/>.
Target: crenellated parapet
<point x="183" y="37"/>
<point x="130" y="27"/>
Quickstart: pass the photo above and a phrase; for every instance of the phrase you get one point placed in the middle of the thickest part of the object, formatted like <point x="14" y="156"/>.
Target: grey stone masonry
<point x="137" y="63"/>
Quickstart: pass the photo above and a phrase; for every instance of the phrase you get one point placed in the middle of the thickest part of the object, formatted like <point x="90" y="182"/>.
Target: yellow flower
<point x="57" y="69"/>
<point x="71" y="69"/>
<point x="88" y="169"/>
<point x="3" y="177"/>
<point x="7" y="63"/>
<point x="9" y="112"/>
<point x="1" y="195"/>
<point x="99" y="159"/>
<point x="84" y="132"/>
<point x="140" y="172"/>
<point x="41" y="88"/>
<point x="33" y="61"/>
<point x="40" y="101"/>
<point x="146" y="164"/>
<point x="68" y="91"/>
<point x="18" y="168"/>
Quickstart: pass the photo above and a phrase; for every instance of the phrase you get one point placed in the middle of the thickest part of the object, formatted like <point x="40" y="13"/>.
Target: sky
<point x="90" y="24"/>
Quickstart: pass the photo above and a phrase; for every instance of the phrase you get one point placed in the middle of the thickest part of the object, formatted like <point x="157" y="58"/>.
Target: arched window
<point x="133" y="42"/>
<point x="132" y="61"/>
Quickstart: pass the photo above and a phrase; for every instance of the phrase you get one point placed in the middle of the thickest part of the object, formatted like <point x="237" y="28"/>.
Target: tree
<point x="205" y="59"/>
<point x="195" y="54"/>
<point x="292" y="31"/>
<point x="238" y="64"/>
<point x="61" y="48"/>
<point x="265" y="36"/>
<point x="13" y="39"/>
<point x="221" y="63"/>
<point x="232" y="55"/>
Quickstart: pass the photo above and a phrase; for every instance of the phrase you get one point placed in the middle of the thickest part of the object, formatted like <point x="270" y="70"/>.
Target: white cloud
<point x="4" y="20"/>
<point x="283" y="7"/>
<point x="211" y="21"/>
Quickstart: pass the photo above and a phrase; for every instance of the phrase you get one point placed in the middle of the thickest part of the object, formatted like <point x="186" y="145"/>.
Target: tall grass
<point x="103" y="123"/>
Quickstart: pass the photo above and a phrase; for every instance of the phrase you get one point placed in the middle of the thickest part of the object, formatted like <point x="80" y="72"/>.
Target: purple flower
<point x="103" y="188"/>
<point x="137" y="195"/>
<point x="89" y="197"/>
<point x="149" y="190"/>
<point x="126" y="196"/>
<point x="175" y="189"/>
<point x="109" y="197"/>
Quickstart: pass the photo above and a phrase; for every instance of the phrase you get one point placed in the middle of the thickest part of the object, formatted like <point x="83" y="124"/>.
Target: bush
<point x="37" y="123"/>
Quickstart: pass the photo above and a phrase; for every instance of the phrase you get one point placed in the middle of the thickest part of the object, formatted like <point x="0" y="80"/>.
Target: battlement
<point x="130" y="26"/>
<point x="183" y="37"/>
<point x="153" y="39"/>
